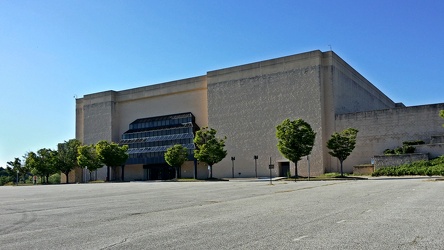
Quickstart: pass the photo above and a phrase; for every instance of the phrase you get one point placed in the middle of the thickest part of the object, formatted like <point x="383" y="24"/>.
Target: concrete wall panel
<point x="382" y="129"/>
<point x="246" y="103"/>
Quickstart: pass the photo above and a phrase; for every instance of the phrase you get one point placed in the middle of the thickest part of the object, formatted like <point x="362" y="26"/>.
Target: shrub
<point x="432" y="167"/>
<point x="406" y="148"/>
<point x="54" y="179"/>
<point x="409" y="143"/>
<point x="389" y="152"/>
<point x="5" y="179"/>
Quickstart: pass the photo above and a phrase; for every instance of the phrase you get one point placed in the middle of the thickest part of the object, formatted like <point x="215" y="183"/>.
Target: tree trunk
<point x="211" y="171"/>
<point x="342" y="173"/>
<point x="67" y="177"/>
<point x="123" y="173"/>
<point x="295" y="170"/>
<point x="177" y="170"/>
<point x="107" y="173"/>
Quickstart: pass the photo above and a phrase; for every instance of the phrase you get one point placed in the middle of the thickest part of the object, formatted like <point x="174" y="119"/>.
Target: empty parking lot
<point x="401" y="213"/>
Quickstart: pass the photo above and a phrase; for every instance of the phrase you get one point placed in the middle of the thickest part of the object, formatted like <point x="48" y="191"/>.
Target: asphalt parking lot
<point x="402" y="213"/>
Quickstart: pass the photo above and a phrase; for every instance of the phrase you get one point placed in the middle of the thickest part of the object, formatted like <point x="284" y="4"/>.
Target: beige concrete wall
<point x="134" y="172"/>
<point x="379" y="130"/>
<point x="246" y="103"/>
<point x="433" y="150"/>
<point x="107" y="115"/>
<point x="352" y="92"/>
<point x="188" y="95"/>
<point x="345" y="91"/>
<point x="188" y="170"/>
<point x="79" y="120"/>
<point x="97" y="117"/>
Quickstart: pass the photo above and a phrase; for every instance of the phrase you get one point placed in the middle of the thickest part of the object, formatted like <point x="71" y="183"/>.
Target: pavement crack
<point x="115" y="244"/>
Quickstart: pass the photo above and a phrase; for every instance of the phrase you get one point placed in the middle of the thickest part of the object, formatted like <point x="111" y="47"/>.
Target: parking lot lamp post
<point x="17" y="177"/>
<point x="232" y="165"/>
<point x="271" y="166"/>
<point x="255" y="165"/>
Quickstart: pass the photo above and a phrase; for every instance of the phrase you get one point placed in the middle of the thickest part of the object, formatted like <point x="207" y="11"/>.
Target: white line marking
<point x="341" y="221"/>
<point x="300" y="238"/>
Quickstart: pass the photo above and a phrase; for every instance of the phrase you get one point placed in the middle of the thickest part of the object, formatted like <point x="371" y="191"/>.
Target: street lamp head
<point x="233" y="158"/>
<point x="255" y="157"/>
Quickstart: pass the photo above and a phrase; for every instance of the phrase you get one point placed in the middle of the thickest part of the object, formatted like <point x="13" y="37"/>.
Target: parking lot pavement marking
<point x="300" y="238"/>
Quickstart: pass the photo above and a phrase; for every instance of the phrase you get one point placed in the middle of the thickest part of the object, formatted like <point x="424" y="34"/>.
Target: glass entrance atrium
<point x="149" y="138"/>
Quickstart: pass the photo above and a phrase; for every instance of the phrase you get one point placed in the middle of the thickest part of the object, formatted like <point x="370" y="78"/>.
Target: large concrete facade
<point x="107" y="115"/>
<point x="246" y="103"/>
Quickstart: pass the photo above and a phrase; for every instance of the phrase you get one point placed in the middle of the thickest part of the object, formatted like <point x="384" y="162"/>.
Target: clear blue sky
<point x="51" y="51"/>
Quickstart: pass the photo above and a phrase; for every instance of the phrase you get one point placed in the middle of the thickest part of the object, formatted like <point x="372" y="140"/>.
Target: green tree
<point x="441" y="113"/>
<point x="16" y="165"/>
<point x="67" y="153"/>
<point x="175" y="156"/>
<point x="342" y="144"/>
<point x="295" y="140"/>
<point x="210" y="149"/>
<point x="111" y="154"/>
<point x="88" y="158"/>
<point x="5" y="176"/>
<point x="42" y="163"/>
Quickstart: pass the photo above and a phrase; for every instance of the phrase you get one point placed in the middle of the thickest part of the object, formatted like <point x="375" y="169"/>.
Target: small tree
<point x="88" y="158"/>
<point x="16" y="165"/>
<point x="67" y="153"/>
<point x="42" y="163"/>
<point x="176" y="156"/>
<point x="441" y="113"/>
<point x="342" y="144"/>
<point x="111" y="154"/>
<point x="295" y="140"/>
<point x="209" y="148"/>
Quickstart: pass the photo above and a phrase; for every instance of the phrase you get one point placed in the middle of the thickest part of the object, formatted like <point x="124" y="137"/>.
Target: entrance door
<point x="284" y="169"/>
<point x="160" y="172"/>
<point x="145" y="174"/>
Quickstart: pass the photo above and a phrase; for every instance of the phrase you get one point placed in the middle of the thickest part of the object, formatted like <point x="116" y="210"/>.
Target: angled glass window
<point x="149" y="138"/>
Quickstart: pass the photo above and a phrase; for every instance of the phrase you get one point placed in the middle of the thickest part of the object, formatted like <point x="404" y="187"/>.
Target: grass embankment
<point x="426" y="168"/>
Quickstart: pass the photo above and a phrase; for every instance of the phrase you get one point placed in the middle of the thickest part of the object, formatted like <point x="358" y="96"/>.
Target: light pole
<point x="17" y="177"/>
<point x="232" y="165"/>
<point x="308" y="161"/>
<point x="86" y="173"/>
<point x="271" y="166"/>
<point x="255" y="164"/>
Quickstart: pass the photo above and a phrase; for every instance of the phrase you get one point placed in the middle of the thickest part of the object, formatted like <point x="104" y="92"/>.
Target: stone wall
<point x="387" y="129"/>
<point x="437" y="139"/>
<point x="434" y="149"/>
<point x="381" y="161"/>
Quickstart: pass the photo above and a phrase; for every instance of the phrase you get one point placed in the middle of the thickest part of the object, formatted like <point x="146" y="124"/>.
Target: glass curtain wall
<point x="149" y="138"/>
